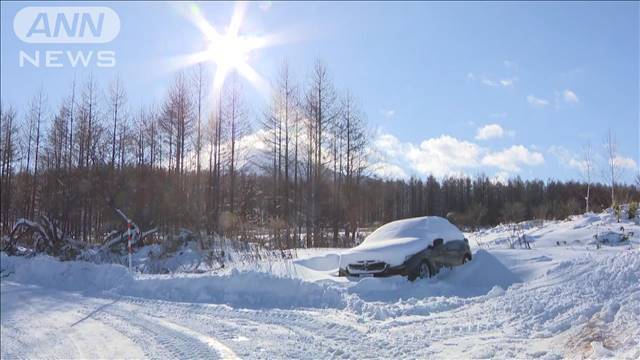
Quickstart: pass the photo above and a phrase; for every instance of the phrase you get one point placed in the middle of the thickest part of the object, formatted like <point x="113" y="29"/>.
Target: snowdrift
<point x="588" y="229"/>
<point x="242" y="289"/>
<point x="484" y="271"/>
<point x="77" y="276"/>
<point x="254" y="289"/>
<point x="328" y="262"/>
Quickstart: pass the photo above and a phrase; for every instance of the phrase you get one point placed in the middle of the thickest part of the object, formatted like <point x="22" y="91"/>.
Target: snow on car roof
<point x="431" y="227"/>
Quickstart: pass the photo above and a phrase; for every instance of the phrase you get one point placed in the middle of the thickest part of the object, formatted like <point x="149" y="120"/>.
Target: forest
<point x="295" y="172"/>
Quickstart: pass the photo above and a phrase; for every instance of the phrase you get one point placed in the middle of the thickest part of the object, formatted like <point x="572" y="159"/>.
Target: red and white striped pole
<point x="129" y="241"/>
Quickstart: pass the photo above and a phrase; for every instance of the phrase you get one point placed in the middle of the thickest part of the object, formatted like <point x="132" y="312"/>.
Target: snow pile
<point x="79" y="276"/>
<point x="578" y="230"/>
<point x="394" y="241"/>
<point x="485" y="271"/>
<point x="603" y="290"/>
<point x="255" y="289"/>
<point x="395" y="296"/>
<point x="239" y="289"/>
<point x="242" y="289"/>
<point x="328" y="262"/>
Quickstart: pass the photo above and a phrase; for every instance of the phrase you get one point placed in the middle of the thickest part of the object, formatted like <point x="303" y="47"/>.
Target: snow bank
<point x="255" y="289"/>
<point x="484" y="271"/>
<point x="578" y="230"/>
<point x="78" y="276"/>
<point x="246" y="289"/>
<point x="328" y="262"/>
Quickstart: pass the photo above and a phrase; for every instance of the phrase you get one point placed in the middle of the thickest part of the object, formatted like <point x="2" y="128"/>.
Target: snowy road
<point x="544" y="303"/>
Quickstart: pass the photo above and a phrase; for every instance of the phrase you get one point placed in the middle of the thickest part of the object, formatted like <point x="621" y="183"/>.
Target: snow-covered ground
<point x="568" y="300"/>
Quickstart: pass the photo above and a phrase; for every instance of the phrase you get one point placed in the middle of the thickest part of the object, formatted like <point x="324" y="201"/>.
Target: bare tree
<point x="88" y="139"/>
<point x="88" y="124"/>
<point x="214" y="195"/>
<point x="237" y="126"/>
<point x="613" y="170"/>
<point x="117" y="98"/>
<point x="200" y="93"/>
<point x="279" y="135"/>
<point x="588" y="169"/>
<point x="178" y="121"/>
<point x="71" y="106"/>
<point x="321" y="110"/>
<point x="353" y="135"/>
<point x="36" y="115"/>
<point x="8" y="151"/>
<point x="57" y="139"/>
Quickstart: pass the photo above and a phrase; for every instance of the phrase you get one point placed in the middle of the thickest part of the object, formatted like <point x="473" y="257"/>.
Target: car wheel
<point x="422" y="270"/>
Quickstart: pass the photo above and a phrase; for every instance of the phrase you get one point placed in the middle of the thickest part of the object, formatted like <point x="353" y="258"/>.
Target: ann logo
<point x="66" y="25"/>
<point x="62" y="24"/>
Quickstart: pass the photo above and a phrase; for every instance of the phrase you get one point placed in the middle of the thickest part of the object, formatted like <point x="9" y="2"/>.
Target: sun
<point x="229" y="51"/>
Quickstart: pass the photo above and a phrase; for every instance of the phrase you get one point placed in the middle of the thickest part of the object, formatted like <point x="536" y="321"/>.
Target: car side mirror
<point x="437" y="242"/>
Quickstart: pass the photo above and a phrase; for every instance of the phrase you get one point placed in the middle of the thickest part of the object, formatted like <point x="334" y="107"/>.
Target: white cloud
<point x="490" y="82"/>
<point x="388" y="113"/>
<point x="388" y="144"/>
<point x="500" y="177"/>
<point x="625" y="162"/>
<point x="568" y="159"/>
<point x="445" y="155"/>
<point x="499" y="82"/>
<point x="512" y="158"/>
<point x="489" y="132"/>
<point x="570" y="97"/>
<point x="572" y="160"/>
<point x="506" y="82"/>
<point x="388" y="171"/>
<point x="537" y="102"/>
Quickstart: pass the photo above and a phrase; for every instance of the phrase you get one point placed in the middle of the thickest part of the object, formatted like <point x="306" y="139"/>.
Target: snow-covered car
<point x="416" y="248"/>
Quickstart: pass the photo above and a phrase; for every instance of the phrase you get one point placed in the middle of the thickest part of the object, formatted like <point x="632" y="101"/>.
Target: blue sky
<point x="499" y="88"/>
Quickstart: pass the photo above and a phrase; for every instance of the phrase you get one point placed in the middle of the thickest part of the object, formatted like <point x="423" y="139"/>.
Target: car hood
<point x="393" y="251"/>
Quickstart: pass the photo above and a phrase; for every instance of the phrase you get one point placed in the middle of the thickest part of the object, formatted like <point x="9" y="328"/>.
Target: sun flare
<point x="229" y="51"/>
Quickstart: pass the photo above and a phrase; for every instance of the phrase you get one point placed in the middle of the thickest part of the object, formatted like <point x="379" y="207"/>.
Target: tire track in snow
<point x="298" y="332"/>
<point x="224" y="351"/>
<point x="156" y="340"/>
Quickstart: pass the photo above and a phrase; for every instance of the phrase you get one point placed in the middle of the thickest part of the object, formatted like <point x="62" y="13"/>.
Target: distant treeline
<point x="481" y="201"/>
<point x="177" y="165"/>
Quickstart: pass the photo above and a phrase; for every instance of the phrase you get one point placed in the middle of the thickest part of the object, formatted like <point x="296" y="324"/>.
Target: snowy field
<point x="575" y="299"/>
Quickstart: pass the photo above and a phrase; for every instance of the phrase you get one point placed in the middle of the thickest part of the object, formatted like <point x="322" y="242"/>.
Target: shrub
<point x="616" y="211"/>
<point x="633" y="210"/>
